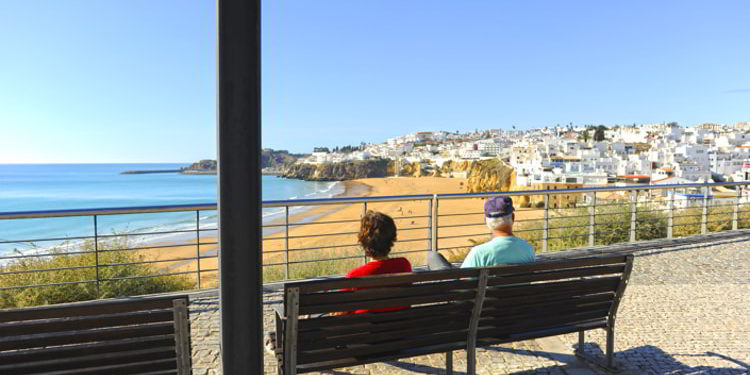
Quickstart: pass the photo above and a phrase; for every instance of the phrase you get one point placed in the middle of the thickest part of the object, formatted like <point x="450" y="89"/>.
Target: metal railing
<point x="302" y="242"/>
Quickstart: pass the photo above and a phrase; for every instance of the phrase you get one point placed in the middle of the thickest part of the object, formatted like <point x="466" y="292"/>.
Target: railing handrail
<point x="342" y="200"/>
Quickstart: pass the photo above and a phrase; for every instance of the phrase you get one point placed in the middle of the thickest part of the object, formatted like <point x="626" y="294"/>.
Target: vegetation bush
<point x="78" y="283"/>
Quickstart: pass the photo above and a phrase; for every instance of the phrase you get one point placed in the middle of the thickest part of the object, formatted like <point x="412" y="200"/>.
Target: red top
<point x="379" y="267"/>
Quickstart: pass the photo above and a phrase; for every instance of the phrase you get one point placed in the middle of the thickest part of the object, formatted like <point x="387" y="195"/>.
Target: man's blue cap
<point x="498" y="206"/>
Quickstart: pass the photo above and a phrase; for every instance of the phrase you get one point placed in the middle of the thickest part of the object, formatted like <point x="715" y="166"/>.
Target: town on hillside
<point x="576" y="156"/>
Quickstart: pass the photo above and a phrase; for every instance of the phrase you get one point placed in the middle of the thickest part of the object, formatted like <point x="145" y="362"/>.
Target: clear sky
<point x="134" y="80"/>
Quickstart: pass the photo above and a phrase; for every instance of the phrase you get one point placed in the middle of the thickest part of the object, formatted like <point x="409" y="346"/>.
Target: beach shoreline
<point x="322" y="241"/>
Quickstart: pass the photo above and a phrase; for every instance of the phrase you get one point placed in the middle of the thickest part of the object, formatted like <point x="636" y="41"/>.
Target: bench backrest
<point x="441" y="306"/>
<point x="120" y="336"/>
<point x="550" y="298"/>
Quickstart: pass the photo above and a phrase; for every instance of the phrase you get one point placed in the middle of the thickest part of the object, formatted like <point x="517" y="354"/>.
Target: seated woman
<point x="377" y="233"/>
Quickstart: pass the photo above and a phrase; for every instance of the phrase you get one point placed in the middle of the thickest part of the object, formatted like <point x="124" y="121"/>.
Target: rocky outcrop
<point x="490" y="175"/>
<point x="483" y="175"/>
<point x="202" y="167"/>
<point x="349" y="170"/>
<point x="277" y="159"/>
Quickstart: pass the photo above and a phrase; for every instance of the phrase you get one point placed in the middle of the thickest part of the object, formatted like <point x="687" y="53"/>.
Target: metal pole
<point x="735" y="214"/>
<point x="434" y="226"/>
<point x="239" y="186"/>
<point x="198" y="246"/>
<point x="545" y="240"/>
<point x="364" y="212"/>
<point x="704" y="214"/>
<point x="286" y="242"/>
<point x="633" y="214"/>
<point x="592" y="220"/>
<point x="429" y="224"/>
<point x="670" y="218"/>
<point x="96" y="255"/>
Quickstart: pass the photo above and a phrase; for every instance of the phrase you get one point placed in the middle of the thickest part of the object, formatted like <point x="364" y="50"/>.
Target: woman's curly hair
<point x="377" y="233"/>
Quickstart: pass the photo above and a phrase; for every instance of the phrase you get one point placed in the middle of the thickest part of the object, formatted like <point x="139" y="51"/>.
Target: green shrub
<point x="79" y="283"/>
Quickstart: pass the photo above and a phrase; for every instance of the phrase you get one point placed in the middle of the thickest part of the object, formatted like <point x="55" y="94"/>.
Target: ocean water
<point x="41" y="187"/>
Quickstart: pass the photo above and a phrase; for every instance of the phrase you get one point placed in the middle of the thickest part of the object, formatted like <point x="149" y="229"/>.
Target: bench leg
<point x="449" y="363"/>
<point x="611" y="345"/>
<point x="581" y="340"/>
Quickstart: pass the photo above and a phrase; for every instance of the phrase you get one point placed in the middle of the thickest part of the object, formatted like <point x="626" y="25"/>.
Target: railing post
<point x="670" y="218"/>
<point x="364" y="212"/>
<point x="429" y="224"/>
<point x="434" y="225"/>
<point x="704" y="214"/>
<point x="735" y="214"/>
<point x="592" y="220"/>
<point x="545" y="240"/>
<point x="96" y="254"/>
<point x="198" y="247"/>
<point x="286" y="242"/>
<point x="633" y="215"/>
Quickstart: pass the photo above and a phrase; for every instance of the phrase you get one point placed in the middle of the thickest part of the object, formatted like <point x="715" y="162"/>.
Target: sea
<point x="43" y="187"/>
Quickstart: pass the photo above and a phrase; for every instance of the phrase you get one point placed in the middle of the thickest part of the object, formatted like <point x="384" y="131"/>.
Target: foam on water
<point x="84" y="186"/>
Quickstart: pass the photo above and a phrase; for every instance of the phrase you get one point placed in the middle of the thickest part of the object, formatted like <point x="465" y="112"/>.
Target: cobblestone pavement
<point x="685" y="312"/>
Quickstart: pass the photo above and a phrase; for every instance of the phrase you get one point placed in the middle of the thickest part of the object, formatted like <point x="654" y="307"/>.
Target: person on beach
<point x="377" y="233"/>
<point x="503" y="247"/>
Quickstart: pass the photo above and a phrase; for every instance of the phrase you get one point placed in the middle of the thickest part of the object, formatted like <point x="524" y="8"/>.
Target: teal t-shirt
<point x="500" y="250"/>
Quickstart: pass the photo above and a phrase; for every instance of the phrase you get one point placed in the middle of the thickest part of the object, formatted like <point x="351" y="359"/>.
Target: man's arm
<point x="471" y="259"/>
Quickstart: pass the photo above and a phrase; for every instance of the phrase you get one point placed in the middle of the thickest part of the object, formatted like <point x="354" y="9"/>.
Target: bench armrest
<point x="279" y="309"/>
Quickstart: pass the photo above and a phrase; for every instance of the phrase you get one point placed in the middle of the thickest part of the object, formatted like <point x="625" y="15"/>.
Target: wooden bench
<point x="450" y="310"/>
<point x="141" y="335"/>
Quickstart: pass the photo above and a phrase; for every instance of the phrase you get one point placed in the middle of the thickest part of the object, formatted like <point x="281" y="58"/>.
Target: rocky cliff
<point x="483" y="175"/>
<point x="339" y="171"/>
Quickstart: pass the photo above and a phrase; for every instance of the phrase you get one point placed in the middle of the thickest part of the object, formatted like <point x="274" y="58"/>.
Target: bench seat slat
<point x="86" y="308"/>
<point x="542" y="297"/>
<point x="503" y="327"/>
<point x="385" y="280"/>
<point x="377" y="332"/>
<point x="388" y="302"/>
<point x="338" y="330"/>
<point x="114" y="346"/>
<point x="86" y="322"/>
<point x="377" y="317"/>
<point x="98" y="360"/>
<point x="384" y="348"/>
<point x="346" y="362"/>
<point x="136" y="368"/>
<point x="555" y="265"/>
<point x="559" y="312"/>
<point x="387" y="292"/>
<point x="504" y="307"/>
<point x="487" y="341"/>
<point x="75" y="337"/>
<point x="556" y="275"/>
<point x="583" y="287"/>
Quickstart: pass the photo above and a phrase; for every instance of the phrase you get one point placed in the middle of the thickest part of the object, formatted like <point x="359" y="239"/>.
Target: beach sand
<point x="330" y="231"/>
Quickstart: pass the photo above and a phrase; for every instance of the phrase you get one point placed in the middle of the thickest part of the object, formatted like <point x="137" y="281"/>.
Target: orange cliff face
<point x="483" y="175"/>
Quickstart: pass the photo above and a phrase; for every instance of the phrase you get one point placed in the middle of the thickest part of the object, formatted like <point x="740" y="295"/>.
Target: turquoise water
<point x="35" y="187"/>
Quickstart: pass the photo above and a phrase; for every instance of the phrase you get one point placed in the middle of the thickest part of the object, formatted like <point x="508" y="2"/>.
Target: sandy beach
<point x="329" y="231"/>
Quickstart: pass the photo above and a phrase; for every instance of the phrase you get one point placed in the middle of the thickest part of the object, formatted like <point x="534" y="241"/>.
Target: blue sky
<point x="134" y="81"/>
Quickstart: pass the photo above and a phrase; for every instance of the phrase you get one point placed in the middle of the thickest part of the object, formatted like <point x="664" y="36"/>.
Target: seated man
<point x="503" y="247"/>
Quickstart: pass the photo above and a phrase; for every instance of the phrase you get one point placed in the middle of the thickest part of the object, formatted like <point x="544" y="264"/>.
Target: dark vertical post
<point x="198" y="247"/>
<point x="96" y="256"/>
<point x="240" y="186"/>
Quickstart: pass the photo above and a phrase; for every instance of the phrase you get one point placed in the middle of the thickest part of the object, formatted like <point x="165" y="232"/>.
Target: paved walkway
<point x="686" y="311"/>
